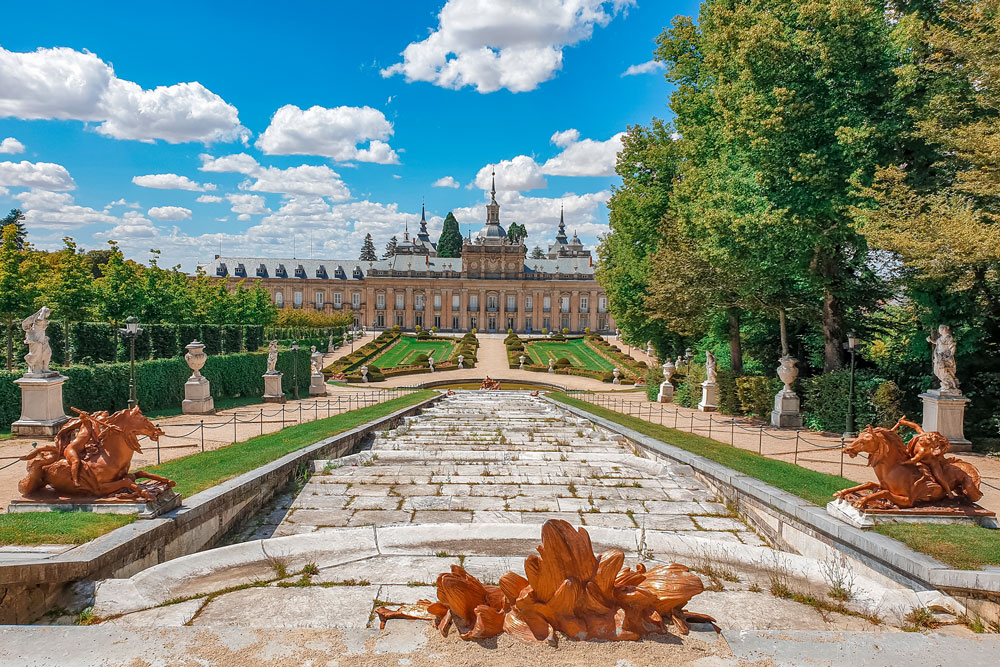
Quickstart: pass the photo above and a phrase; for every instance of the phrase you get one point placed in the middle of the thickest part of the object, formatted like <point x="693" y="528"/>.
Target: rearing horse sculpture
<point x="91" y="457"/>
<point x="911" y="475"/>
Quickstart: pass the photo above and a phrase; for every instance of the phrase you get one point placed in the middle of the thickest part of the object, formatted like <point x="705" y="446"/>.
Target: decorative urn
<point x="195" y="357"/>
<point x="668" y="371"/>
<point x="787" y="371"/>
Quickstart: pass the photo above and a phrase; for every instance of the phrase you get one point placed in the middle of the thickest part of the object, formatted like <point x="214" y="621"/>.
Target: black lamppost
<point x="851" y="346"/>
<point x="295" y="367"/>
<point x="130" y="331"/>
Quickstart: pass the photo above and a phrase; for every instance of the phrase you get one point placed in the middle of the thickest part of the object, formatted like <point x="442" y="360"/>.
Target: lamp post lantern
<point x="295" y="367"/>
<point x="130" y="331"/>
<point x="851" y="346"/>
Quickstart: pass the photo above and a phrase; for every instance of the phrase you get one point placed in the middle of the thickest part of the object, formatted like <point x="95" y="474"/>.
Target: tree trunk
<point x="783" y="328"/>
<point x="832" y="332"/>
<point x="735" y="346"/>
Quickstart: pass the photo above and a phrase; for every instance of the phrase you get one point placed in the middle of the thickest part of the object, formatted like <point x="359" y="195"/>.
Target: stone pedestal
<point x="317" y="385"/>
<point x="198" y="396"/>
<point x="666" y="394"/>
<point x="709" y="397"/>
<point x="786" y="413"/>
<point x="42" y="413"/>
<point x="945" y="413"/>
<point x="272" y="388"/>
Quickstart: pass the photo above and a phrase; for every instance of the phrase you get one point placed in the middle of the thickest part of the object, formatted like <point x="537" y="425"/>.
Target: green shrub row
<point x="159" y="382"/>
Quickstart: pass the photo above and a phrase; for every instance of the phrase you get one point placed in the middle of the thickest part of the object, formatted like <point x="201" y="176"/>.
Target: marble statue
<point x="711" y="368"/>
<point x="316" y="360"/>
<point x="39" y="353"/>
<point x="330" y="346"/>
<point x="461" y="361"/>
<point x="679" y="364"/>
<point x="272" y="357"/>
<point x="430" y="363"/>
<point x="944" y="360"/>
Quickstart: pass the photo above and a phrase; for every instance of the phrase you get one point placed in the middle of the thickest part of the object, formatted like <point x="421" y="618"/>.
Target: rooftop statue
<point x="39" y="353"/>
<point x="910" y="474"/>
<point x="91" y="458"/>
<point x="567" y="589"/>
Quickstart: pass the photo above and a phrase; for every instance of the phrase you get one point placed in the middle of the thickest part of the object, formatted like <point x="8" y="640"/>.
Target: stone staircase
<point x="503" y="457"/>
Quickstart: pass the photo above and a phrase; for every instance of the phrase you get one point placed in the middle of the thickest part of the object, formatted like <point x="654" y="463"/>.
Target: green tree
<point x="516" y="233"/>
<point x="16" y="218"/>
<point x="120" y="288"/>
<point x="450" y="242"/>
<point x="69" y="289"/>
<point x="390" y="248"/>
<point x="368" y="250"/>
<point x="537" y="253"/>
<point x="15" y="295"/>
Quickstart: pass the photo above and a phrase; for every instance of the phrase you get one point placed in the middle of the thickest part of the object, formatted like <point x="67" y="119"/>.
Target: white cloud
<point x="305" y="179"/>
<point x="133" y="227"/>
<point x="520" y="173"/>
<point x="540" y="215"/>
<point x="240" y="163"/>
<point x="494" y="44"/>
<point x="209" y="199"/>
<point x="169" y="213"/>
<point x="445" y="182"/>
<point x="248" y="205"/>
<point x="62" y="83"/>
<point x="648" y="67"/>
<point x="583" y="158"/>
<point x="4" y="192"/>
<point x="121" y="202"/>
<point x="335" y="133"/>
<point x="41" y="175"/>
<point x="45" y="209"/>
<point x="170" y="182"/>
<point x="11" y="145"/>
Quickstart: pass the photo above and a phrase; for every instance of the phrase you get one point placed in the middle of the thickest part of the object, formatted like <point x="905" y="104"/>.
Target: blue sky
<point x="272" y="128"/>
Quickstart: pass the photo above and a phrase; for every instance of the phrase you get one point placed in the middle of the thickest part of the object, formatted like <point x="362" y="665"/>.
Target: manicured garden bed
<point x="576" y="350"/>
<point x="405" y="352"/>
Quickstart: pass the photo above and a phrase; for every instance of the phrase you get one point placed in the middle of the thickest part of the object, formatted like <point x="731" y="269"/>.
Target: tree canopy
<point x="450" y="242"/>
<point x="368" y="253"/>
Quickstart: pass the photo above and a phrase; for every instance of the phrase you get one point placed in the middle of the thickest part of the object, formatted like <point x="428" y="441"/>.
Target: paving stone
<point x="272" y="607"/>
<point x="608" y="520"/>
<point x="405" y="569"/>
<point x="441" y="502"/>
<point x="542" y="517"/>
<point x="532" y="504"/>
<point x="719" y="523"/>
<point x="489" y="516"/>
<point x="320" y="517"/>
<point x="674" y="507"/>
<point x="441" y="516"/>
<point x="382" y="502"/>
<point x="379" y="518"/>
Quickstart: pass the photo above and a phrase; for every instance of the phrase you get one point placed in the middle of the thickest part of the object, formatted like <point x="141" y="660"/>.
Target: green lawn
<point x="195" y="473"/>
<point x="58" y="527"/>
<point x="405" y="352"/>
<point x="814" y="486"/>
<point x="964" y="547"/>
<point x="577" y="351"/>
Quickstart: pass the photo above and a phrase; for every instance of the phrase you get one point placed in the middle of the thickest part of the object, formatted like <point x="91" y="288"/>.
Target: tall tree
<point x="368" y="250"/>
<point x="516" y="233"/>
<point x="16" y="218"/>
<point x="450" y="242"/>
<point x="15" y="296"/>
<point x="69" y="288"/>
<point x="390" y="248"/>
<point x="537" y="253"/>
<point x="120" y="288"/>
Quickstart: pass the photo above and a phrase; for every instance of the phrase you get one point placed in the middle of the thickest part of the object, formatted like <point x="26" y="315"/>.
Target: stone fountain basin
<point x="413" y="554"/>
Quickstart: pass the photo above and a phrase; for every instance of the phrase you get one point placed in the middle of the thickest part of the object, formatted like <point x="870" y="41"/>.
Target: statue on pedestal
<point x="330" y="346"/>
<point x="666" y="393"/>
<point x="272" y="357"/>
<point x="711" y="368"/>
<point x="39" y="353"/>
<point x="944" y="360"/>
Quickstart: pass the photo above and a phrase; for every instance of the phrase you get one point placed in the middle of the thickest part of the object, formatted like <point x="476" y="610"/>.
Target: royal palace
<point x="493" y="286"/>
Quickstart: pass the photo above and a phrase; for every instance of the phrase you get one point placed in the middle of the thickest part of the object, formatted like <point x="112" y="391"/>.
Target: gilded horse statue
<point x="91" y="457"/>
<point x="914" y="473"/>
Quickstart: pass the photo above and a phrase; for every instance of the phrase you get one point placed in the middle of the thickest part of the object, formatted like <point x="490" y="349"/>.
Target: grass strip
<point x="195" y="473"/>
<point x="58" y="527"/>
<point x="965" y="547"/>
<point x="200" y="471"/>
<point x="816" y="487"/>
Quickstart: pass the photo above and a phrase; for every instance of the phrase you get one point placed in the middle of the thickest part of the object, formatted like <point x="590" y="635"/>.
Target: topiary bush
<point x="562" y="362"/>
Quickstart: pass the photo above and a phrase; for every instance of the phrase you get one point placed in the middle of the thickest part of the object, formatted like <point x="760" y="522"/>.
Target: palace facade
<point x="493" y="287"/>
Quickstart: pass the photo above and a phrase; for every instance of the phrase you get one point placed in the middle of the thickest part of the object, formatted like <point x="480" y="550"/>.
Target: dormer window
<point x="241" y="271"/>
<point x="321" y="272"/>
<point x="262" y="271"/>
<point x="221" y="270"/>
<point x="300" y="271"/>
<point x="358" y="275"/>
<point x="281" y="271"/>
<point x="340" y="273"/>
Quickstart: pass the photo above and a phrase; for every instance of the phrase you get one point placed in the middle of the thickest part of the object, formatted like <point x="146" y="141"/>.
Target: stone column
<point x="197" y="390"/>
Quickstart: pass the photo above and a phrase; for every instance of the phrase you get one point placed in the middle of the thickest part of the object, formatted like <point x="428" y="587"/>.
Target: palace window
<point x="527" y="304"/>
<point x="418" y="301"/>
<point x="564" y="304"/>
<point x="546" y="304"/>
<point x="602" y="304"/>
<point x="297" y="300"/>
<point x="474" y="304"/>
<point x="380" y="320"/>
<point x="511" y="303"/>
<point x="400" y="300"/>
<point x="380" y="301"/>
<point x="437" y="321"/>
<point x="473" y="322"/>
<point x="546" y="324"/>
<point x="564" y="324"/>
<point x="584" y="322"/>
<point x="355" y="299"/>
<point x="338" y="299"/>
<point x="584" y="304"/>
<point x="418" y="320"/>
<point x="279" y="299"/>
<point x="491" y="302"/>
<point x="527" y="325"/>
<point x="399" y="320"/>
<point x="437" y="302"/>
<point x="456" y="303"/>
<point x="454" y="321"/>
<point x="602" y="323"/>
<point x="319" y="300"/>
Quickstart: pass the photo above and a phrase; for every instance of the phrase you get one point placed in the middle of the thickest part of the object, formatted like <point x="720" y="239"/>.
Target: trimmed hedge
<point x="164" y="340"/>
<point x="93" y="342"/>
<point x="159" y="382"/>
<point x="877" y="401"/>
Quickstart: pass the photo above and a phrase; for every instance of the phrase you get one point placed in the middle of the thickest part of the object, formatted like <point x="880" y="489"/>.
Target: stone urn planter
<point x="617" y="373"/>
<point x="364" y="374"/>
<point x="521" y="359"/>
<point x="461" y="361"/>
<point x="786" y="413"/>
<point x="788" y="371"/>
<point x="195" y="357"/>
<point x="197" y="390"/>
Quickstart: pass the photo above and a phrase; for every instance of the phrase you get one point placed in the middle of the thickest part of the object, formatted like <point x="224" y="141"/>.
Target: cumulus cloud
<point x="247" y="205"/>
<point x="56" y="210"/>
<point x="171" y="182"/>
<point x="648" y="67"/>
<point x="494" y="44"/>
<point x="336" y="133"/>
<point x="4" y="192"/>
<point x="169" y="213"/>
<point x="583" y="158"/>
<point x="11" y="145"/>
<point x="520" y="173"/>
<point x="209" y="199"/>
<point x="445" y="182"/>
<point x="62" y="83"/>
<point x="121" y="202"/>
<point x="305" y="179"/>
<point x="41" y="175"/>
<point x="239" y="163"/>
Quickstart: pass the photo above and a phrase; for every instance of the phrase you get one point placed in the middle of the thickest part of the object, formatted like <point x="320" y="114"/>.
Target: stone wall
<point x="29" y="588"/>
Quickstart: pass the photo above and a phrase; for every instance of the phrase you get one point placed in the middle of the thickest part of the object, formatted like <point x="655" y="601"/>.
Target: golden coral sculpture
<point x="567" y="589"/>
